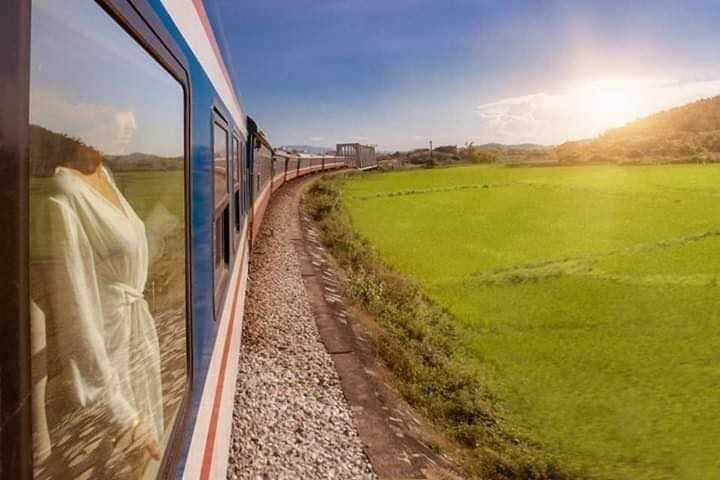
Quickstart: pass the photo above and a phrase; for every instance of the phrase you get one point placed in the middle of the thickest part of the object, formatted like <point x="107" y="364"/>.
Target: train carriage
<point x="281" y="161"/>
<point x="262" y="168"/>
<point x="133" y="183"/>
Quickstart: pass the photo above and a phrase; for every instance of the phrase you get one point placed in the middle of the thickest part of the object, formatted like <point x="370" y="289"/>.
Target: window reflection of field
<point x="158" y="199"/>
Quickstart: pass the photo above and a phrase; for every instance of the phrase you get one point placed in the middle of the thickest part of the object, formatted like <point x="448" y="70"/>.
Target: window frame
<point x="219" y="121"/>
<point x="236" y="159"/>
<point x="15" y="353"/>
<point x="141" y="22"/>
<point x="142" y="25"/>
<point x="221" y="211"/>
<point x="248" y="164"/>
<point x="236" y="193"/>
<point x="244" y="148"/>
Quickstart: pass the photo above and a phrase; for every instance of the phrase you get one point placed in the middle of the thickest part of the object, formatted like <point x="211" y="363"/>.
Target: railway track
<point x="312" y="399"/>
<point x="291" y="419"/>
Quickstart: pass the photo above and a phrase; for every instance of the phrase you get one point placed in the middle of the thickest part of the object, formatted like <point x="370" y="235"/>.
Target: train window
<point x="247" y="181"/>
<point x="222" y="206"/>
<point x="236" y="188"/>
<point x="241" y="172"/>
<point x="236" y="157"/>
<point x="107" y="247"/>
<point x="220" y="161"/>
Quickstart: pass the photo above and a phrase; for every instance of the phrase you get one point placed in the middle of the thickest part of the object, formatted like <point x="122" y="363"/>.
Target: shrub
<point x="635" y="154"/>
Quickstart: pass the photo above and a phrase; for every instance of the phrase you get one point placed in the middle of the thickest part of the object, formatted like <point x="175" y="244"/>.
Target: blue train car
<point x="133" y="181"/>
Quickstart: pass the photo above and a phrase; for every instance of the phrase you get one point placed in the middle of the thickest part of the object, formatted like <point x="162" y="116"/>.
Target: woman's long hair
<point x="49" y="150"/>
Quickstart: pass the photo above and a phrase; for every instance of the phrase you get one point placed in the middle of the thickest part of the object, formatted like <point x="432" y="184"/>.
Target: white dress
<point x="107" y="339"/>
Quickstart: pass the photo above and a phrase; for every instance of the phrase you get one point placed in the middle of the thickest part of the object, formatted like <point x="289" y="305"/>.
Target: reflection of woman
<point x="105" y="335"/>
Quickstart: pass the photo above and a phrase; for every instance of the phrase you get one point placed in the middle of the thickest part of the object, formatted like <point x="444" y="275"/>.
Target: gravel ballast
<point x="291" y="419"/>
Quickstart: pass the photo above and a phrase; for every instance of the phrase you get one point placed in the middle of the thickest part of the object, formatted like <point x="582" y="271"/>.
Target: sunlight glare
<point x="610" y="101"/>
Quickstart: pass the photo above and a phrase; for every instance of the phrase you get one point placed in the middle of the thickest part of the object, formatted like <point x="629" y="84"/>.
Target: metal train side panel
<point x="216" y="339"/>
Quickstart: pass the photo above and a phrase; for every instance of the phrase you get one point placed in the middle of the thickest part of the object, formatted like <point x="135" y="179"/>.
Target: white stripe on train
<point x="187" y="17"/>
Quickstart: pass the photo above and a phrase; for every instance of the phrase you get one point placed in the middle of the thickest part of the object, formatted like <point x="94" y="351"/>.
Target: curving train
<point x="133" y="184"/>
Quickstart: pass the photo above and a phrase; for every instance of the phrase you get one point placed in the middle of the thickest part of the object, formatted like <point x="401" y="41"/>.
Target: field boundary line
<point x="580" y="265"/>
<point x="425" y="191"/>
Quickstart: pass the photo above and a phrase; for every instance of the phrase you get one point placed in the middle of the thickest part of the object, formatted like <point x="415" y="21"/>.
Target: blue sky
<point x="398" y="73"/>
<point x="92" y="83"/>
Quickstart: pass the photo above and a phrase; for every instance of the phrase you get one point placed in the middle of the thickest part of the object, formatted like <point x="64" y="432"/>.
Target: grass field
<point x="586" y="296"/>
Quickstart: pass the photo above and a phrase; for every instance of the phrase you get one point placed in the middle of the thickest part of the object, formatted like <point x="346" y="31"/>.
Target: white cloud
<point x="584" y="109"/>
<point x="316" y="139"/>
<point x="126" y="126"/>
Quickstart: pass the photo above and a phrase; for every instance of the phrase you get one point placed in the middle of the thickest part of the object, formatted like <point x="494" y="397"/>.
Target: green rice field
<point x="588" y="298"/>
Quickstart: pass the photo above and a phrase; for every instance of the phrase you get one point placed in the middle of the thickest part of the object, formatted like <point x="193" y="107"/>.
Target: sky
<point x="399" y="73"/>
<point x="89" y="80"/>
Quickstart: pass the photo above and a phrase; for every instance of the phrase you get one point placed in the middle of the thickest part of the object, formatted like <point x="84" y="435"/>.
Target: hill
<point x="143" y="161"/>
<point x="50" y="149"/>
<point x="685" y="134"/>
<point x="469" y="153"/>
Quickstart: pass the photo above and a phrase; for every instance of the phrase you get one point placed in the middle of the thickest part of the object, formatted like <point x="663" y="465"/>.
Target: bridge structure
<point x="358" y="156"/>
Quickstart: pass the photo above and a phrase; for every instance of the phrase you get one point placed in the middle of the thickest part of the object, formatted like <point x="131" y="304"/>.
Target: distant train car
<point x="281" y="161"/>
<point x="262" y="172"/>
<point x="133" y="182"/>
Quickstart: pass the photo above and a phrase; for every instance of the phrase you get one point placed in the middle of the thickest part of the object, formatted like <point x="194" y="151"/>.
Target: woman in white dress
<point x="105" y="336"/>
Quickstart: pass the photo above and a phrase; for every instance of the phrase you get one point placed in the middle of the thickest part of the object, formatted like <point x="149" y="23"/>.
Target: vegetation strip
<point x="418" y="341"/>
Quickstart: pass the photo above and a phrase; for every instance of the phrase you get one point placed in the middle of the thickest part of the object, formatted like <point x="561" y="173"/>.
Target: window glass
<point x="245" y="177"/>
<point x="222" y="206"/>
<point x="241" y="175"/>
<point x="220" y="156"/>
<point x="236" y="188"/>
<point x="236" y="156"/>
<point x="107" y="240"/>
<point x="219" y="234"/>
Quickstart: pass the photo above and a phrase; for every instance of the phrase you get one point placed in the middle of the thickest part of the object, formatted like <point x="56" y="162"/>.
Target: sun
<point x="609" y="101"/>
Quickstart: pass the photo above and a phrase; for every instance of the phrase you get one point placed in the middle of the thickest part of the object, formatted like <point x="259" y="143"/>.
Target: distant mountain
<point x="519" y="146"/>
<point x="49" y="150"/>
<point x="133" y="157"/>
<point x="143" y="161"/>
<point x="308" y="149"/>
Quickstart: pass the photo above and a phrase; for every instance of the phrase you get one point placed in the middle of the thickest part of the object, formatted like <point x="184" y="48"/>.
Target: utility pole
<point x="430" y="150"/>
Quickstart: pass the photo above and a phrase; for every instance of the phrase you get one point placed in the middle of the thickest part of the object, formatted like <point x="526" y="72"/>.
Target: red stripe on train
<point x="212" y="429"/>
